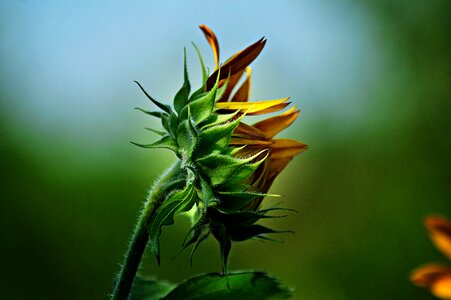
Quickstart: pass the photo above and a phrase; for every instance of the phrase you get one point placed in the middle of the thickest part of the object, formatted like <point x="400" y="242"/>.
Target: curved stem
<point x="140" y="235"/>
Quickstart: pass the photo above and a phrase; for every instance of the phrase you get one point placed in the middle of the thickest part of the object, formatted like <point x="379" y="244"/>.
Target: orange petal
<point x="242" y="95"/>
<point x="237" y="62"/>
<point x="442" y="287"/>
<point x="253" y="108"/>
<point x="426" y="275"/>
<point x="437" y="278"/>
<point x="274" y="125"/>
<point x="440" y="232"/>
<point x="213" y="41"/>
<point x="286" y="148"/>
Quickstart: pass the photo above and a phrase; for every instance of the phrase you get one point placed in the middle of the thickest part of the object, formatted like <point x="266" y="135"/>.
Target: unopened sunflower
<point x="225" y="167"/>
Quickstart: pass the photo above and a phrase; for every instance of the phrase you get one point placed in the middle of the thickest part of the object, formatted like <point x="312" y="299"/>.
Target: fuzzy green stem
<point x="169" y="181"/>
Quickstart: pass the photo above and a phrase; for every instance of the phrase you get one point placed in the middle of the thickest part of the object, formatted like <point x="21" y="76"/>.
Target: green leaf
<point x="166" y="142"/>
<point x="203" y="107"/>
<point x="177" y="202"/>
<point x="162" y="106"/>
<point x="149" y="289"/>
<point x="239" y="285"/>
<point x="181" y="98"/>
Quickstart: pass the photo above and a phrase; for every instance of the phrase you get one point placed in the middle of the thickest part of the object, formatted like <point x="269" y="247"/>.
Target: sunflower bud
<point x="226" y="167"/>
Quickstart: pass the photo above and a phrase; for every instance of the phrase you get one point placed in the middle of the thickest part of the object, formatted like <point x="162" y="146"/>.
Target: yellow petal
<point x="274" y="125"/>
<point x="272" y="109"/>
<point x="286" y="148"/>
<point x="242" y="95"/>
<point x="237" y="62"/>
<point x="440" y="232"/>
<point x="212" y="40"/>
<point x="253" y="108"/>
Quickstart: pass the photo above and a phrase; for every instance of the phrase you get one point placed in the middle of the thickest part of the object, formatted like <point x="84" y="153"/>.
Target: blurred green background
<point x="372" y="80"/>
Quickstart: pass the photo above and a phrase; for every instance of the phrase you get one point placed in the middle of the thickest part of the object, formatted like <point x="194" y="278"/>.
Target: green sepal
<point x="175" y="203"/>
<point x="186" y="137"/>
<point x="237" y="200"/>
<point x="198" y="94"/>
<point x="205" y="76"/>
<point x="202" y="65"/>
<point x="208" y="195"/>
<point x="237" y="285"/>
<point x="157" y="114"/>
<point x="215" y="137"/>
<point x="173" y="124"/>
<point x="243" y="173"/>
<point x="219" y="167"/>
<point x="222" y="90"/>
<point x="196" y="235"/>
<point x="203" y="107"/>
<point x="181" y="98"/>
<point x="160" y="133"/>
<point x="166" y="142"/>
<point x="218" y="119"/>
<point x="149" y="289"/>
<point x="165" y="122"/>
<point x="164" y="107"/>
<point x="220" y="233"/>
<point x="239" y="219"/>
<point x="240" y="234"/>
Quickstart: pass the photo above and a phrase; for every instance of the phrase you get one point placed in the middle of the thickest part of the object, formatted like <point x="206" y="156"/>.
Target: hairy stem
<point x="169" y="181"/>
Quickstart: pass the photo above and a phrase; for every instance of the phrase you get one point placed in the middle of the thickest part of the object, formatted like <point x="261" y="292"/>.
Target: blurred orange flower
<point x="436" y="277"/>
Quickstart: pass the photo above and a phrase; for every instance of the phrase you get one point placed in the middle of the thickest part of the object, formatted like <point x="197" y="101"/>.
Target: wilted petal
<point x="237" y="62"/>
<point x="212" y="40"/>
<point x="274" y="125"/>
<point x="239" y="141"/>
<point x="233" y="80"/>
<point x="286" y="148"/>
<point x="440" y="232"/>
<point x="246" y="130"/>
<point x="242" y="95"/>
<point x="253" y="108"/>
